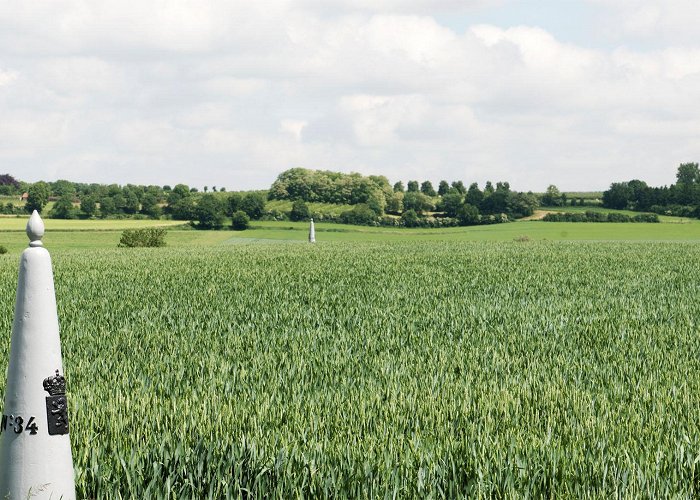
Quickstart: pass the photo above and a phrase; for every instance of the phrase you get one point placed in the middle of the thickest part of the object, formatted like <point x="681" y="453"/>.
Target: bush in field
<point x="146" y="237"/>
<point x="3" y="249"/>
<point x="240" y="221"/>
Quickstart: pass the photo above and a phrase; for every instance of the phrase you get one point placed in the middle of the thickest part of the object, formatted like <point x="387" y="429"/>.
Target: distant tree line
<point x="79" y="200"/>
<point x="679" y="199"/>
<point x="373" y="199"/>
<point x="376" y="202"/>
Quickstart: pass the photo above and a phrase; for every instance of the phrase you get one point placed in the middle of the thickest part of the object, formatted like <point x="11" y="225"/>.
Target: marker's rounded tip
<point x="35" y="229"/>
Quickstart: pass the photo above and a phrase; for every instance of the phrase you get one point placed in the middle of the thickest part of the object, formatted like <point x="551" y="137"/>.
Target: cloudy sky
<point x="578" y="93"/>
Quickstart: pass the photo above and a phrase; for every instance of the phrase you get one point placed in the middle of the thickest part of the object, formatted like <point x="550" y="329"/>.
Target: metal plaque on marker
<point x="56" y="404"/>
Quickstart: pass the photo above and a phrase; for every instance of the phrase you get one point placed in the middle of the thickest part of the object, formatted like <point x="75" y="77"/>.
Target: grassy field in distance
<point x="534" y="230"/>
<point x="77" y="234"/>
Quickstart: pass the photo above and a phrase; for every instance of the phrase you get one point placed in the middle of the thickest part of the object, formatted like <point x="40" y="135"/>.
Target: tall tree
<point x="474" y="195"/>
<point x="417" y="202"/>
<point x="8" y="185"/>
<point x="688" y="173"/>
<point x="63" y="208"/>
<point x="150" y="207"/>
<point x="443" y="188"/>
<point x="552" y="197"/>
<point x="177" y="193"/>
<point x="88" y="205"/>
<point x="38" y="197"/>
<point x="210" y="212"/>
<point x="618" y="196"/>
<point x="459" y="187"/>
<point x="451" y="203"/>
<point x="427" y="189"/>
<point x="254" y="205"/>
<point x="688" y="184"/>
<point x="233" y="203"/>
<point x="468" y="215"/>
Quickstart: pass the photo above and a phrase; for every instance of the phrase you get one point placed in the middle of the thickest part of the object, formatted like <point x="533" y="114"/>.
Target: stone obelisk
<point x="35" y="452"/>
<point x="312" y="232"/>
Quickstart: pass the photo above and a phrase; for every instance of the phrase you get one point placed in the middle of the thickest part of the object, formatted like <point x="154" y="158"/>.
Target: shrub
<point x="240" y="221"/>
<point x="617" y="217"/>
<point x="645" y="218"/>
<point x="146" y="237"/>
<point x="300" y="211"/>
<point x="468" y="215"/>
<point x="360" y="214"/>
<point x="596" y="216"/>
<point x="410" y="218"/>
<point x="3" y="249"/>
<point x="591" y="216"/>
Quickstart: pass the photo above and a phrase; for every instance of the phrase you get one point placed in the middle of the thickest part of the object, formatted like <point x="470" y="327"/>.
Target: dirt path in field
<point x="539" y="215"/>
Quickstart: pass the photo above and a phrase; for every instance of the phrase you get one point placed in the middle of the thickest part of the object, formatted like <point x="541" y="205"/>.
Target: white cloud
<point x="7" y="77"/>
<point x="669" y="22"/>
<point x="293" y="127"/>
<point x="232" y="93"/>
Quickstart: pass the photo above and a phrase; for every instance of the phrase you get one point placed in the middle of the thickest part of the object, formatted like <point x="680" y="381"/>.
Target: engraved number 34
<point x="16" y="424"/>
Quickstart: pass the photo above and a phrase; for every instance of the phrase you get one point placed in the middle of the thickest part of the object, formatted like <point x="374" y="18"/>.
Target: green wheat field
<point x="404" y="368"/>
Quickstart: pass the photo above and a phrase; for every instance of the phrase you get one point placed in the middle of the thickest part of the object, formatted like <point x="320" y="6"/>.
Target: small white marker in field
<point x="35" y="454"/>
<point x="312" y="232"/>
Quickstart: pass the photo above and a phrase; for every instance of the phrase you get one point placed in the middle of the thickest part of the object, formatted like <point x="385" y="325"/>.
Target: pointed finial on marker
<point x="35" y="230"/>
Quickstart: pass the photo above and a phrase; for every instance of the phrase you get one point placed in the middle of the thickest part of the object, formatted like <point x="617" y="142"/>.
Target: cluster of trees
<point x="324" y="186"/>
<point x="80" y="200"/>
<point x="210" y="211"/>
<point x="11" y="209"/>
<point x="373" y="197"/>
<point x="552" y="197"/>
<point x="9" y="185"/>
<point x="681" y="198"/>
<point x="591" y="216"/>
<point x="74" y="200"/>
